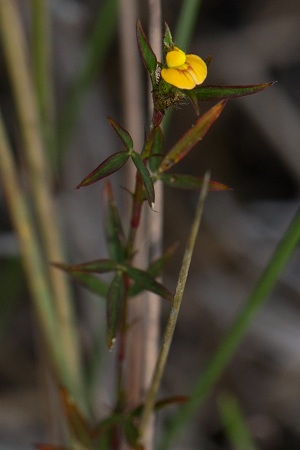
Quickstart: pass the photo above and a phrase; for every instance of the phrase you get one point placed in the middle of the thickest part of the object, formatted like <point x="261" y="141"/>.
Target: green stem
<point x="15" y="51"/>
<point x="234" y="336"/>
<point x="32" y="259"/>
<point x="173" y="316"/>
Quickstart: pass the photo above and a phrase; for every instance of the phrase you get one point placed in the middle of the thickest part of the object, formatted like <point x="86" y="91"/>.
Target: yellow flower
<point x="184" y="71"/>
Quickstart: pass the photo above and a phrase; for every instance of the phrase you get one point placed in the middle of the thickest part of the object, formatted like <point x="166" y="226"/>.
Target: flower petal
<point x="175" y="57"/>
<point x="197" y="68"/>
<point x="181" y="79"/>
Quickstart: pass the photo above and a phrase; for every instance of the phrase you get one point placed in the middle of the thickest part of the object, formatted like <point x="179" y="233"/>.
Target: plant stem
<point x="234" y="336"/>
<point x="134" y="121"/>
<point x="15" y="51"/>
<point x="152" y="303"/>
<point x="173" y="316"/>
<point x="34" y="264"/>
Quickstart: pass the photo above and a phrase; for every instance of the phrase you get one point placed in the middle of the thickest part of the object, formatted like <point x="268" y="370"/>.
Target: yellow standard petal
<point x="175" y="57"/>
<point x="179" y="78"/>
<point x="197" y="68"/>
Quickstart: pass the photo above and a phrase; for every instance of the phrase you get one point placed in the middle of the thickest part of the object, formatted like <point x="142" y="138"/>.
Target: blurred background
<point x="253" y="148"/>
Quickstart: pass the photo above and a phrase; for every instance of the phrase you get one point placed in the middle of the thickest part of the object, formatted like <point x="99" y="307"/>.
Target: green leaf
<point x="108" y="423"/>
<point x="168" y="40"/>
<point x="156" y="150"/>
<point x="147" y="54"/>
<point x="92" y="283"/>
<point x="106" y="168"/>
<point x="155" y="269"/>
<point x="204" y="93"/>
<point x="132" y="435"/>
<point x="97" y="266"/>
<point x="113" y="227"/>
<point x="145" y="177"/>
<point x="234" y="423"/>
<point x="114" y="308"/>
<point x="148" y="282"/>
<point x="78" y="425"/>
<point x="192" y="137"/>
<point x="122" y="133"/>
<point x="190" y="182"/>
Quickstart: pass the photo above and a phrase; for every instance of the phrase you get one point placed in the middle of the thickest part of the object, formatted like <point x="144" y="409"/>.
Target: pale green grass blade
<point x="234" y="423"/>
<point x="186" y="23"/>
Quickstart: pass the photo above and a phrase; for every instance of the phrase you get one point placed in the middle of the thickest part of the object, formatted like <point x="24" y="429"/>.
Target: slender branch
<point x="173" y="316"/>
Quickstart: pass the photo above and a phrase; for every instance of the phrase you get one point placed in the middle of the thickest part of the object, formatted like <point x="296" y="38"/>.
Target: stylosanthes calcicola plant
<point x="175" y="80"/>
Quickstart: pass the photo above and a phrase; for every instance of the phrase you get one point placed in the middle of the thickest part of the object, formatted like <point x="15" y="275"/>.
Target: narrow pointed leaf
<point x="122" y="133"/>
<point x="168" y="40"/>
<point x="148" y="282"/>
<point x="78" y="425"/>
<point x="204" y="93"/>
<point x="155" y="269"/>
<point x="92" y="283"/>
<point x="97" y="266"/>
<point x="156" y="150"/>
<point x="113" y="227"/>
<point x="147" y="54"/>
<point x="235" y="424"/>
<point x="108" y="423"/>
<point x="192" y="137"/>
<point x="109" y="166"/>
<point x="132" y="435"/>
<point x="190" y="182"/>
<point x="114" y="308"/>
<point x="145" y="177"/>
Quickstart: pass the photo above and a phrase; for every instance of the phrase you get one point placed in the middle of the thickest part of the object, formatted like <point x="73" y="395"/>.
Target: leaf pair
<point x="115" y="292"/>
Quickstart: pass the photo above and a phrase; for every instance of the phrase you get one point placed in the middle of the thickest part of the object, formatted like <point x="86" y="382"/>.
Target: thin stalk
<point x="134" y="121"/>
<point x="152" y="303"/>
<point x="234" y="336"/>
<point x="33" y="261"/>
<point x="173" y="316"/>
<point x="15" y="51"/>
